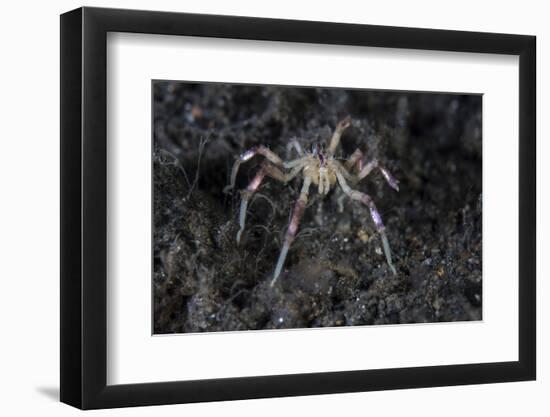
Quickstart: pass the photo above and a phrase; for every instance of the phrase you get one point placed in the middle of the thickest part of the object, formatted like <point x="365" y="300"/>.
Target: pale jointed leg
<point x="335" y="140"/>
<point x="256" y="150"/>
<point x="276" y="173"/>
<point x="356" y="158"/>
<point x="246" y="195"/>
<point x="390" y="179"/>
<point x="375" y="215"/>
<point x="294" y="144"/>
<point x="297" y="214"/>
<point x="296" y="162"/>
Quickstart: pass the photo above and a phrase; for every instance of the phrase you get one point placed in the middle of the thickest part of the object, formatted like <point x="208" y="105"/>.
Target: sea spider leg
<point x="300" y="161"/>
<point x="266" y="169"/>
<point x="335" y="140"/>
<point x="297" y="214"/>
<point x="249" y="154"/>
<point x="376" y="218"/>
<point x="337" y="166"/>
<point x="355" y="158"/>
<point x="390" y="179"/>
<point x="294" y="144"/>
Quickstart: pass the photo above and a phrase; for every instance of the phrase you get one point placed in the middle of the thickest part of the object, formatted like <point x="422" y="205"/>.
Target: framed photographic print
<point x="257" y="208"/>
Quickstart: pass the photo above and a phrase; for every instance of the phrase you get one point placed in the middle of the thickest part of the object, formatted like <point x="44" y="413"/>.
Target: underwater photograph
<point x="284" y="207"/>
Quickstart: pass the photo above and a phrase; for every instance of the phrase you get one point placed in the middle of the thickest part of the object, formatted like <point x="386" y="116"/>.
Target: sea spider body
<point x="320" y="169"/>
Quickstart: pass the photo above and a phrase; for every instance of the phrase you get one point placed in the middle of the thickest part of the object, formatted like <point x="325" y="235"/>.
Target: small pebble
<point x="363" y="236"/>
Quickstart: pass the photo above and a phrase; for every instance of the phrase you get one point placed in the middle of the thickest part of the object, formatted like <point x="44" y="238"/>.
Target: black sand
<point x="335" y="273"/>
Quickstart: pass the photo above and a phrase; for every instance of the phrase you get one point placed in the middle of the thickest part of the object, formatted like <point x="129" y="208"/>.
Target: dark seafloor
<point x="335" y="273"/>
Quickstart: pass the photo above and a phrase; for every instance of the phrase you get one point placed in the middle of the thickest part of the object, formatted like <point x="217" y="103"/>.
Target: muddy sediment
<point x="335" y="273"/>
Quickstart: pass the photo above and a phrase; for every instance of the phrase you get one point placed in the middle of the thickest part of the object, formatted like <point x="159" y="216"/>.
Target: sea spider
<point x="321" y="169"/>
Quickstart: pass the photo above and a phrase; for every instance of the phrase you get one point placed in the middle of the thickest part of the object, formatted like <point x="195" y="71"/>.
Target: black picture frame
<point x="84" y="207"/>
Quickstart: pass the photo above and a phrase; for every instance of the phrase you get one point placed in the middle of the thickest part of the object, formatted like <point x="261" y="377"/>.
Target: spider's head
<point x="318" y="150"/>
